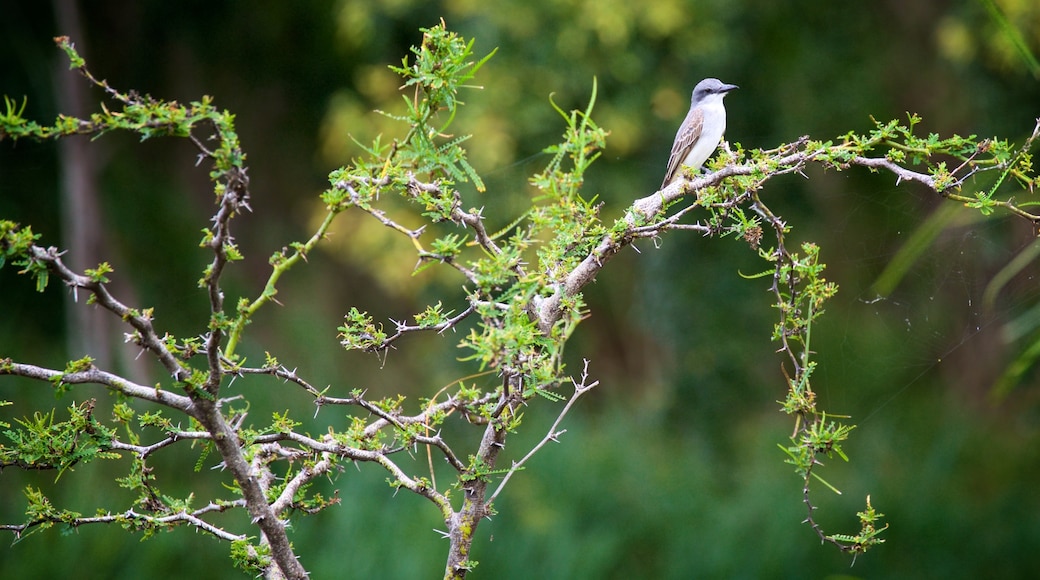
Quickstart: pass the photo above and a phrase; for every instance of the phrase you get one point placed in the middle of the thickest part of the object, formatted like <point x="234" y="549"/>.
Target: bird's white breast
<point x="711" y="133"/>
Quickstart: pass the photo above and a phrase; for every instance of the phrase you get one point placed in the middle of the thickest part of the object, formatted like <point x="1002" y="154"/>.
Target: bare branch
<point x="403" y="328"/>
<point x="580" y="388"/>
<point x="99" y="377"/>
<point x="143" y="451"/>
<point x="141" y="321"/>
<point x="305" y="475"/>
<point x="182" y="517"/>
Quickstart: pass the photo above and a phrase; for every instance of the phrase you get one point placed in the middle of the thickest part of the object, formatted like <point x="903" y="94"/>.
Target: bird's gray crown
<point x="710" y="87"/>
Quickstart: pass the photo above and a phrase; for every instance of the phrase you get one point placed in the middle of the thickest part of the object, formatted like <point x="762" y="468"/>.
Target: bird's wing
<point x="684" y="140"/>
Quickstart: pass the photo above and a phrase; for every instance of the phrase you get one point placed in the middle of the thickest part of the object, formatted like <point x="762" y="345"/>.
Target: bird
<point x="701" y="131"/>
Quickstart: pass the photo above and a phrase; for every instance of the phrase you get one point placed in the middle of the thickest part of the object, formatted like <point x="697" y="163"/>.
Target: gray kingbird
<point x="701" y="131"/>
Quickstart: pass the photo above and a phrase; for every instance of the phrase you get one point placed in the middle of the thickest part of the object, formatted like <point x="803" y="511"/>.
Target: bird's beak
<point x="728" y="88"/>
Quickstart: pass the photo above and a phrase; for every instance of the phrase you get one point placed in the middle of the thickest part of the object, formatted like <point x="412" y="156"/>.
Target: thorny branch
<point x="580" y="388"/>
<point x="193" y="518"/>
<point x="141" y="320"/>
<point x="789" y="158"/>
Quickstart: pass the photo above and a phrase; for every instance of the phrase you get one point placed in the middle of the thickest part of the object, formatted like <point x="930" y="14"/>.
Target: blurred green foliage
<point x="671" y="469"/>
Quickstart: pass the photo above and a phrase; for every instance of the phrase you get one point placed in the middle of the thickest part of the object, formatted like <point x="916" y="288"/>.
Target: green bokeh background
<point x="670" y="468"/>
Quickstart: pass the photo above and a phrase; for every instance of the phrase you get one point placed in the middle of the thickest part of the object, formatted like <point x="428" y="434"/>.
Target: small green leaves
<point x="232" y="252"/>
<point x="98" y="274"/>
<point x="270" y="361"/>
<point x="479" y="470"/>
<point x="434" y="315"/>
<point x="822" y="437"/>
<point x="15" y="243"/>
<point x="359" y="332"/>
<point x="582" y="145"/>
<point x="282" y="423"/>
<point x="447" y="247"/>
<point x="868" y="536"/>
<point x="251" y="557"/>
<point x="84" y="364"/>
<point x="16" y="246"/>
<point x="75" y="60"/>
<point x="801" y="291"/>
<point x="42" y="512"/>
<point x="571" y="221"/>
<point x="12" y="124"/>
<point x="442" y="65"/>
<point x="42" y="442"/>
<point x="155" y="419"/>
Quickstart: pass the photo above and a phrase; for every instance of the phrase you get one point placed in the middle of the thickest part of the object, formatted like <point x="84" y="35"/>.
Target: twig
<point x="553" y="433"/>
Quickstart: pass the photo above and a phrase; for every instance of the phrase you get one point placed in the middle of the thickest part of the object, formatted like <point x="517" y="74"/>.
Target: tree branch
<point x="554" y="432"/>
<point x="99" y="377"/>
<point x="141" y="321"/>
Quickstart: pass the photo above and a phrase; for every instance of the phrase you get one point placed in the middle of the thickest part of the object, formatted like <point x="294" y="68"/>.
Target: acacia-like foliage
<point x="523" y="301"/>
